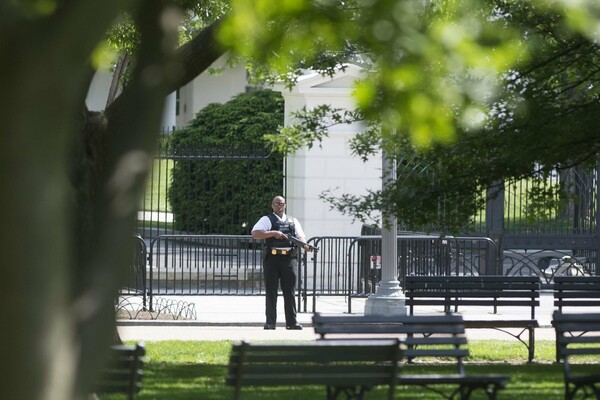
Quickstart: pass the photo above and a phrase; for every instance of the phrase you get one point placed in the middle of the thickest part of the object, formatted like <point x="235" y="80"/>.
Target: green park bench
<point x="438" y="337"/>
<point x="517" y="294"/>
<point x="345" y="368"/>
<point x="123" y="372"/>
<point x="574" y="294"/>
<point x="576" y="291"/>
<point x="578" y="334"/>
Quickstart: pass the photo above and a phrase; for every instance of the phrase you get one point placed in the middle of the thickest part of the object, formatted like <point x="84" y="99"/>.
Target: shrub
<point x="225" y="175"/>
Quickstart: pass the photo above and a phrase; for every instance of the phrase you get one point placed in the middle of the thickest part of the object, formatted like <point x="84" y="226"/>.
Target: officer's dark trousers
<point x="280" y="268"/>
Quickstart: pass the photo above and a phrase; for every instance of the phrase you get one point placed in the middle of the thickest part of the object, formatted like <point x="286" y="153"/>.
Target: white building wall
<point x="186" y="101"/>
<point x="210" y="88"/>
<point x="168" y="119"/>
<point x="197" y="94"/>
<point x="330" y="166"/>
<point x="98" y="94"/>
<point x="98" y="91"/>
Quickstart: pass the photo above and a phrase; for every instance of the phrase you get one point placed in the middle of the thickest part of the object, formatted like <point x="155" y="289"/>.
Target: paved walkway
<point x="242" y="318"/>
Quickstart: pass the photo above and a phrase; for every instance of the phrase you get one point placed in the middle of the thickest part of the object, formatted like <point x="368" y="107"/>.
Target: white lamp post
<point x="389" y="299"/>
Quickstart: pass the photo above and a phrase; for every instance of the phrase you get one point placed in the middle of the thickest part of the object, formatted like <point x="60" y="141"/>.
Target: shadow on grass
<point x="205" y="381"/>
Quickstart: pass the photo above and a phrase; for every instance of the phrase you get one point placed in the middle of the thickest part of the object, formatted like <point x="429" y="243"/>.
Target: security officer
<point x="280" y="262"/>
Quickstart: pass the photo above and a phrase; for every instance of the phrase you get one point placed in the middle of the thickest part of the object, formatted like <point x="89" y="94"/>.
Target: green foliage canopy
<point x="463" y="94"/>
<point x="432" y="62"/>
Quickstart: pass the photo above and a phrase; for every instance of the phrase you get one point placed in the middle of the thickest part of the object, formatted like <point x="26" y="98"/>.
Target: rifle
<point x="299" y="242"/>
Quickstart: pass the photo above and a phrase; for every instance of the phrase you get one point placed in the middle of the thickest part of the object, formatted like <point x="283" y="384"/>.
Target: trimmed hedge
<point x="225" y="175"/>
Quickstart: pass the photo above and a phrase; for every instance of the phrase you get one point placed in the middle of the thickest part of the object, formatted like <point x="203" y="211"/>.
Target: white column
<point x="389" y="299"/>
<point x="168" y="117"/>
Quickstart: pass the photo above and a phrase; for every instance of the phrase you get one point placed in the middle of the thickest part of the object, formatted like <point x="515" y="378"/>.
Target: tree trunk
<point x="69" y="199"/>
<point x="120" y="68"/>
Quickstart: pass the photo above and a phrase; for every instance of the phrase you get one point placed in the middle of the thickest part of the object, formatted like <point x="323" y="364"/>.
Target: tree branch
<point x="190" y="60"/>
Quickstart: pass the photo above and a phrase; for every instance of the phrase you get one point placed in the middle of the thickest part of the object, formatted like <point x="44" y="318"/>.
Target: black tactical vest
<point x="286" y="227"/>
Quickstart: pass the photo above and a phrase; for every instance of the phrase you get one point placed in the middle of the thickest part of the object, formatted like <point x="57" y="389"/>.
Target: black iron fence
<point x="343" y="266"/>
<point x="538" y="207"/>
<point x="535" y="234"/>
<point x="209" y="189"/>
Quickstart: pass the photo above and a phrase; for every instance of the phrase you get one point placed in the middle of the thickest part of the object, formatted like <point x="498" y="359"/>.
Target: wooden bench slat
<point x="385" y="329"/>
<point x="479" y="278"/>
<point x="434" y="340"/>
<point x="470" y="285"/>
<point x="312" y="371"/>
<point x="488" y="293"/>
<point x="576" y="291"/>
<point x="485" y="323"/>
<point x="576" y="303"/>
<point x="328" y="324"/>
<point x="575" y="317"/>
<point x="561" y="292"/>
<point x="581" y="326"/>
<point x="309" y="356"/>
<point x="419" y="352"/>
<point x="452" y="379"/>
<point x="581" y="352"/>
<point x="322" y="379"/>
<point x="464" y="302"/>
<point x="253" y="371"/>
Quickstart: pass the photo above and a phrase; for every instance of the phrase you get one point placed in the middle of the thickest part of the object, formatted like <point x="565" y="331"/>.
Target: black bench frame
<point x="425" y="337"/>
<point x="124" y="370"/>
<point x="454" y="292"/>
<point x="578" y="334"/>
<point x="347" y="368"/>
<point x="576" y="291"/>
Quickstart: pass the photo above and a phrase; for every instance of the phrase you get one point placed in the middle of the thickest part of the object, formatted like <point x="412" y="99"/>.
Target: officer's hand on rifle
<point x="305" y="246"/>
<point x="280" y="235"/>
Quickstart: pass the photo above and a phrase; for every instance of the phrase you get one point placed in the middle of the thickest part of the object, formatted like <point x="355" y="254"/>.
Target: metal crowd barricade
<point x="419" y="255"/>
<point x="343" y="266"/>
<point x="324" y="272"/>
<point x="476" y="255"/>
<point x="136" y="273"/>
<point x="205" y="264"/>
<point x="351" y="266"/>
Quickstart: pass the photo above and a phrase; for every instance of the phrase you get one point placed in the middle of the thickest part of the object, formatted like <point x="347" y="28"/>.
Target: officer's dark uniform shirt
<point x="287" y="226"/>
<point x="264" y="224"/>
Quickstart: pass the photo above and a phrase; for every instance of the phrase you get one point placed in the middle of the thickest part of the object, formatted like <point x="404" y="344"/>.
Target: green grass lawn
<point x="157" y="187"/>
<point x="178" y="370"/>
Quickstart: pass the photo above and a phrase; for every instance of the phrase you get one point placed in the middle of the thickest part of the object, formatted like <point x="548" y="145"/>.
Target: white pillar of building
<point x="330" y="164"/>
<point x="389" y="299"/>
<point x="168" y="118"/>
